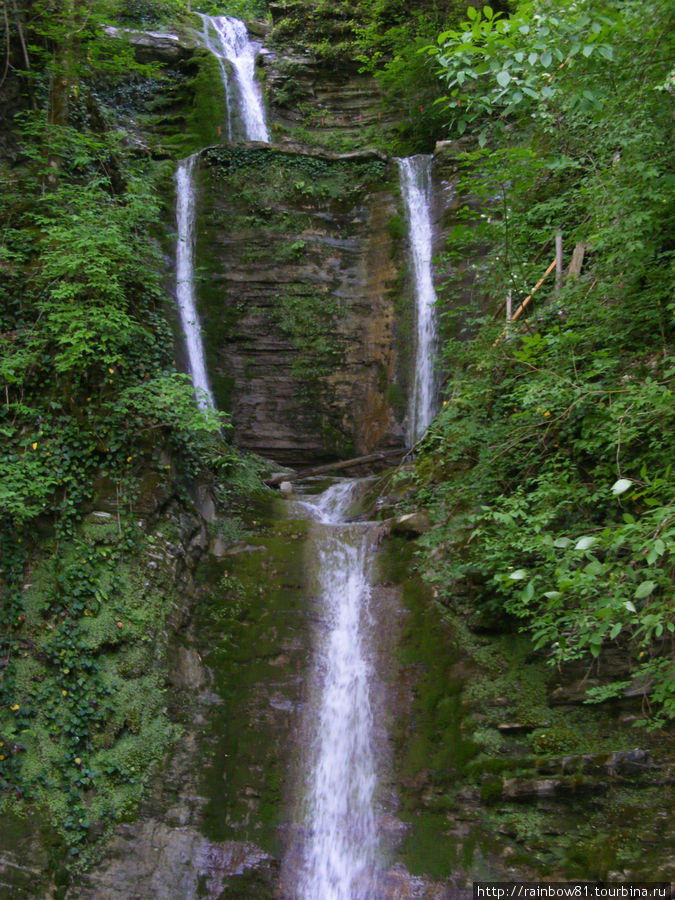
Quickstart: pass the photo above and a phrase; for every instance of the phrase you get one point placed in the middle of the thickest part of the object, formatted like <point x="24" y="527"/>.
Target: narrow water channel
<point x="185" y="281"/>
<point x="227" y="38"/>
<point x="338" y="854"/>
<point x="415" y="175"/>
<point x="335" y="852"/>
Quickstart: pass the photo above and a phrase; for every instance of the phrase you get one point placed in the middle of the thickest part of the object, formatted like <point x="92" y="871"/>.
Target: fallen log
<point x="276" y="480"/>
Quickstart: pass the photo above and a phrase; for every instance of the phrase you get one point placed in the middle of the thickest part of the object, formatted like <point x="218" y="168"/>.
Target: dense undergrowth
<point x="548" y="470"/>
<point x="93" y="416"/>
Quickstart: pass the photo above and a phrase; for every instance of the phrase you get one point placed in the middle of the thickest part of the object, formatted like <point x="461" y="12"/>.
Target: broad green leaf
<point x="620" y="486"/>
<point x="588" y="49"/>
<point x="518" y="575"/>
<point x="547" y="92"/>
<point x="585" y="542"/>
<point x="616" y="628"/>
<point x="528" y="592"/>
<point x="471" y="12"/>
<point x="503" y="78"/>
<point x="546" y="59"/>
<point x="607" y="51"/>
<point x="629" y="605"/>
<point x="562" y="542"/>
<point x="644" y="589"/>
<point x="532" y="58"/>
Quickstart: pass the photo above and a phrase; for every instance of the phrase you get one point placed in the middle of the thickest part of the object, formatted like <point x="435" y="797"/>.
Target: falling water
<point x="339" y="853"/>
<point x="185" y="289"/>
<point x="416" y="188"/>
<point x="228" y="40"/>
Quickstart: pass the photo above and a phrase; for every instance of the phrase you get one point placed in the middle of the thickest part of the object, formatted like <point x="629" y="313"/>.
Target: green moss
<point x="260" y="599"/>
<point x="397" y="229"/>
<point x="90" y="723"/>
<point x="491" y="790"/>
<point x="200" y="95"/>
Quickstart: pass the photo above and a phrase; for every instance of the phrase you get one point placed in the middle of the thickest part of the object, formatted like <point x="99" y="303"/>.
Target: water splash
<point x="227" y="38"/>
<point x="185" y="290"/>
<point x="340" y="848"/>
<point x="415" y="173"/>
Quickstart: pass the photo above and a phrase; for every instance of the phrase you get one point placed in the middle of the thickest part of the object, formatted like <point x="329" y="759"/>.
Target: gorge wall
<point x="299" y="306"/>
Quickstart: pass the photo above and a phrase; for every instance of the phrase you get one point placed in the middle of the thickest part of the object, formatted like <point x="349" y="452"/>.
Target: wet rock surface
<point x="298" y="313"/>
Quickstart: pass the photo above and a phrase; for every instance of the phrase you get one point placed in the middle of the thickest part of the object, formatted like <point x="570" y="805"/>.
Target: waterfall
<point x="185" y="288"/>
<point x="233" y="46"/>
<point x="415" y="172"/>
<point x="338" y="858"/>
<point x="228" y="40"/>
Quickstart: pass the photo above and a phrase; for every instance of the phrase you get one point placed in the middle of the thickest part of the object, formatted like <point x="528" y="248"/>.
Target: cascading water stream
<point x="228" y="40"/>
<point x="233" y="45"/>
<point x="415" y="173"/>
<point x="339" y="849"/>
<point x="185" y="290"/>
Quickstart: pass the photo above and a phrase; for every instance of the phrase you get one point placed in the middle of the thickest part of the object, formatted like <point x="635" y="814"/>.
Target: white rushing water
<point x="339" y="850"/>
<point x="228" y="40"/>
<point x="185" y="282"/>
<point x="415" y="174"/>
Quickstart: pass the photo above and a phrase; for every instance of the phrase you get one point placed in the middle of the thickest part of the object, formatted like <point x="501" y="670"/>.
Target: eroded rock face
<point x="153" y="46"/>
<point x="298" y="306"/>
<point x="153" y="859"/>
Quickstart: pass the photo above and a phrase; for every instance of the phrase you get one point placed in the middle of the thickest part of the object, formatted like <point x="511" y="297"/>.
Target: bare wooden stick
<point x="335" y="466"/>
<point x="527" y="300"/>
<point x="558" y="260"/>
<point x="574" y="268"/>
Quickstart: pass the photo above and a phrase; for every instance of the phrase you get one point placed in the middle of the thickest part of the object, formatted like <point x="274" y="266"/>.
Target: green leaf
<point x="546" y="59"/>
<point x="620" y="486"/>
<point x="630" y="606"/>
<point x="616" y="628"/>
<point x="518" y="575"/>
<point x="471" y="12"/>
<point x="503" y="78"/>
<point x="588" y="49"/>
<point x="585" y="542"/>
<point x="644" y="589"/>
<point x="532" y="58"/>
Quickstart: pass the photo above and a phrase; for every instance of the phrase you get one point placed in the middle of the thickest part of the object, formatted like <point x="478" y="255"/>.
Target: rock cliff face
<point x="297" y="302"/>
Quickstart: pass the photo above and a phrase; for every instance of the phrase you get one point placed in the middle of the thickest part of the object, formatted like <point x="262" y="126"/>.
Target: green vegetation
<point x="547" y="472"/>
<point x="93" y="416"/>
<point x="548" y="469"/>
<point x="151" y="13"/>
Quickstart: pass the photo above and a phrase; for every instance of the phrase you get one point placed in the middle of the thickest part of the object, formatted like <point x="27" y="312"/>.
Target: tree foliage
<point x="549" y="465"/>
<point x="91" y="404"/>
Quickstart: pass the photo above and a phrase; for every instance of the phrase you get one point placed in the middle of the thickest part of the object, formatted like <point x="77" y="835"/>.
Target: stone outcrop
<point x="298" y="309"/>
<point x="153" y="46"/>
